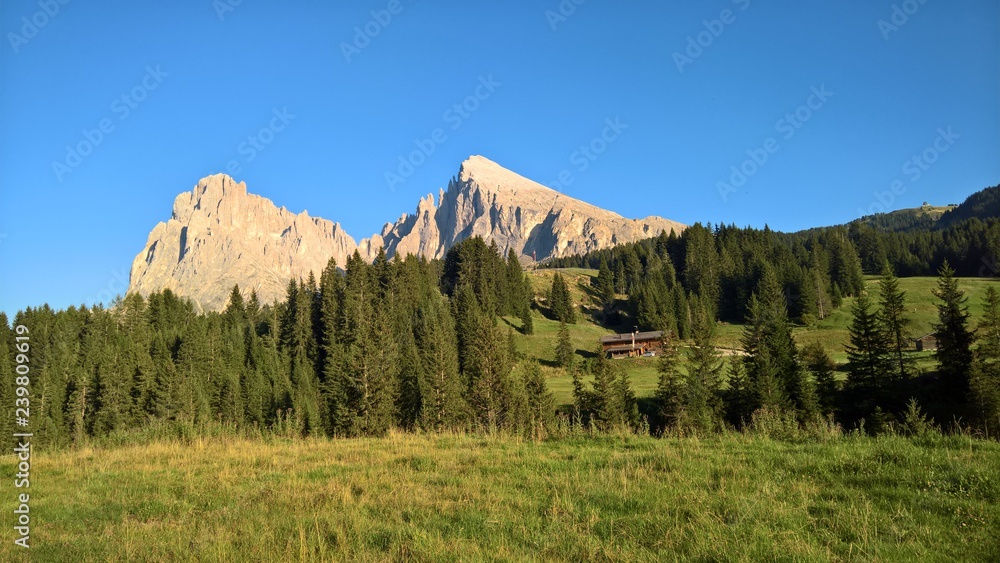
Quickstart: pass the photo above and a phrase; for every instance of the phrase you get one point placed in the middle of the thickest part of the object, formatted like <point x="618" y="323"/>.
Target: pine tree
<point x="612" y="401"/>
<point x="702" y="403"/>
<point x="868" y="356"/>
<point x="521" y="294"/>
<point x="489" y="377"/>
<point x="605" y="286"/>
<point x="985" y="381"/>
<point x="9" y="348"/>
<point x="821" y="366"/>
<point x="468" y="315"/>
<point x="954" y="339"/>
<point x="892" y="314"/>
<point x="560" y="302"/>
<point x="670" y="384"/>
<point x="441" y="389"/>
<point x="564" y="347"/>
<point x="541" y="403"/>
<point x="776" y="378"/>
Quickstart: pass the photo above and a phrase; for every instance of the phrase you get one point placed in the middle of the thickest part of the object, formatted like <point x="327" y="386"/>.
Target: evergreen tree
<point x="489" y="372"/>
<point x="701" y="399"/>
<point x="564" y="347"/>
<point x="954" y="339"/>
<point x="776" y="378"/>
<point x="822" y="367"/>
<point x="868" y="356"/>
<point x="892" y="314"/>
<point x="605" y="286"/>
<point x="541" y="403"/>
<point x="985" y="381"/>
<point x="560" y="302"/>
<point x="670" y="384"/>
<point x="441" y="388"/>
<point x="612" y="401"/>
<point x="468" y="316"/>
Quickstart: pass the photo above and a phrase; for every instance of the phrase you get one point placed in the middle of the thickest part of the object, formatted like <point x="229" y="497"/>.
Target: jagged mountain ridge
<point x="488" y="200"/>
<point x="220" y="235"/>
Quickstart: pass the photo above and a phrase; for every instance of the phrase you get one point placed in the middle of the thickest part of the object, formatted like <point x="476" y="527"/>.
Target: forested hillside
<point x="354" y="353"/>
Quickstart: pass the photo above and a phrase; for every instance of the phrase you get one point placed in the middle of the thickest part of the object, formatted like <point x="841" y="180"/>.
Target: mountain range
<point x="220" y="235"/>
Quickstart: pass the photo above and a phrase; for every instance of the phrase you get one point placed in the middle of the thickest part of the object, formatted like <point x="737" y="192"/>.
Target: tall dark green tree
<point x="441" y="389"/>
<point x="560" y="301"/>
<point x="540" y="402"/>
<point x="985" y="381"/>
<point x="605" y="286"/>
<point x="490" y="385"/>
<point x="895" y="322"/>
<point x="819" y="363"/>
<point x="702" y="402"/>
<point x="670" y="386"/>
<point x="776" y="379"/>
<point x="868" y="355"/>
<point x="564" y="347"/>
<point x="954" y="339"/>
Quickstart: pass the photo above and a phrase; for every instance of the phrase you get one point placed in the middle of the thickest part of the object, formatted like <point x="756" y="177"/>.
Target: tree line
<point x="774" y="378"/>
<point x="402" y="343"/>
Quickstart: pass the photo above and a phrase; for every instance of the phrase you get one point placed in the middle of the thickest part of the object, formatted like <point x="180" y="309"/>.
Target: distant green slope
<point x="831" y="332"/>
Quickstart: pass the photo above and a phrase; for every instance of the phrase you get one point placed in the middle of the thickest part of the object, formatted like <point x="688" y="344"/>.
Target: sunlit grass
<point x="461" y="497"/>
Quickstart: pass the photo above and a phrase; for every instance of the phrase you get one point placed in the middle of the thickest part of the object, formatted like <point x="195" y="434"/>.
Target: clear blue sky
<point x="197" y="85"/>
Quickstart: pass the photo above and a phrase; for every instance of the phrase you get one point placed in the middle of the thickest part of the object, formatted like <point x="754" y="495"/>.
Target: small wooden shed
<point x="926" y="342"/>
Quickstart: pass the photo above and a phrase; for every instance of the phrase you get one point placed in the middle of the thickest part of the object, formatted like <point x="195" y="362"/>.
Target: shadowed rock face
<point x="219" y="235"/>
<point x="497" y="204"/>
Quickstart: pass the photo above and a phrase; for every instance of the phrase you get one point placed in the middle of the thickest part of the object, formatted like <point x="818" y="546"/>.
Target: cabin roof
<point x="627" y="337"/>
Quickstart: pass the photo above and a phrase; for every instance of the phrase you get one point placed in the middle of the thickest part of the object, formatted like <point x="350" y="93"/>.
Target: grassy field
<point x="458" y="497"/>
<point x="831" y="332"/>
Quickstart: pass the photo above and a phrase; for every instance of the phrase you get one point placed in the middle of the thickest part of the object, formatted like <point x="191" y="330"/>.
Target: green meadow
<point x="472" y="498"/>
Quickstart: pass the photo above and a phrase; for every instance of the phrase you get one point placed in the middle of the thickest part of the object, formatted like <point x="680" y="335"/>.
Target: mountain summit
<point x="220" y="235"/>
<point x="520" y="214"/>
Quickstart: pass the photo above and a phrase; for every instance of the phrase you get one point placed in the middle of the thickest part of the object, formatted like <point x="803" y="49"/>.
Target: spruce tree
<point x="541" y="403"/>
<point x="489" y="376"/>
<point x="985" y="381"/>
<point x="441" y="390"/>
<point x="670" y="384"/>
<point x="560" y="301"/>
<point x="892" y="314"/>
<point x="702" y="403"/>
<point x="818" y="363"/>
<point x="868" y="355"/>
<point x="605" y="286"/>
<point x="564" y="347"/>
<point x="954" y="339"/>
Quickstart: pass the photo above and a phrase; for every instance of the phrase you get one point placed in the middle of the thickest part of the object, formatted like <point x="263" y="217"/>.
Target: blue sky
<point x="794" y="114"/>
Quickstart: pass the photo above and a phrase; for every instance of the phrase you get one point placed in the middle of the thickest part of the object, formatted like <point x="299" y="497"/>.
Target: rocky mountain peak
<point x="220" y="235"/>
